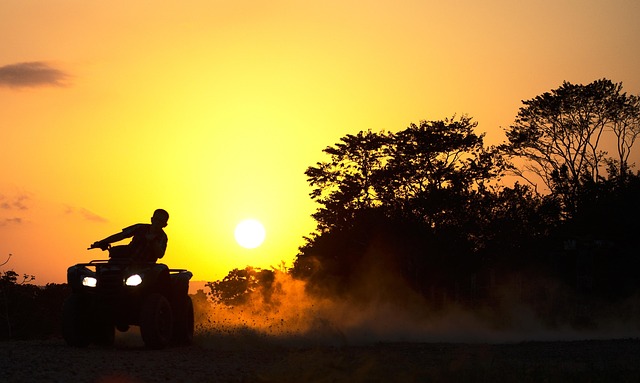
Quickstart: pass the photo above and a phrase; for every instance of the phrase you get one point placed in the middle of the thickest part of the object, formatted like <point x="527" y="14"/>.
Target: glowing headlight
<point x="89" y="281"/>
<point x="133" y="280"/>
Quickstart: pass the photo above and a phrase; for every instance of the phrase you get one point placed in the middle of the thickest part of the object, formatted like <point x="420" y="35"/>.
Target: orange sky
<point x="214" y="109"/>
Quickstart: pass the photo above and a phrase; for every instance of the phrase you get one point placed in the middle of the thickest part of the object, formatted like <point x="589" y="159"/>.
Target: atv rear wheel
<point x="75" y="321"/>
<point x="156" y="321"/>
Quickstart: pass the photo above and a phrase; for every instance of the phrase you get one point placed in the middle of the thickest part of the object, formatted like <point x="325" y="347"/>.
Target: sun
<point x="250" y="233"/>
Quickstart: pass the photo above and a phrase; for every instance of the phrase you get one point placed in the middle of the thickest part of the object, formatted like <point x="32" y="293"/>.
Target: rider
<point x="149" y="240"/>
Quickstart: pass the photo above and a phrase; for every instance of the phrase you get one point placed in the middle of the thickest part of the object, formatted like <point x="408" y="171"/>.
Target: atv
<point x="119" y="292"/>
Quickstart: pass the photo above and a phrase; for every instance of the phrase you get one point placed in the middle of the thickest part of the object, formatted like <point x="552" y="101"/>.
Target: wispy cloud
<point x="18" y="202"/>
<point x="90" y="216"/>
<point x="86" y="214"/>
<point x="32" y="74"/>
<point x="12" y="208"/>
<point x="10" y="221"/>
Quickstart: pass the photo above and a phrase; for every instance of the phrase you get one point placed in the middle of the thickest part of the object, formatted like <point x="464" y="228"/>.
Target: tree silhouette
<point x="403" y="172"/>
<point x="433" y="163"/>
<point x="236" y="288"/>
<point x="419" y="188"/>
<point x="29" y="311"/>
<point x="626" y="127"/>
<point x="8" y="286"/>
<point x="559" y="135"/>
<point x="348" y="182"/>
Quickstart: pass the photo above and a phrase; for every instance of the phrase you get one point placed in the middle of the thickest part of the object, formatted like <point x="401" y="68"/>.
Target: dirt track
<point x="247" y="360"/>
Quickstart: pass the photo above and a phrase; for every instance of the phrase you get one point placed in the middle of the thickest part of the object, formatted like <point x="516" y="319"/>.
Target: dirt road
<point x="254" y="360"/>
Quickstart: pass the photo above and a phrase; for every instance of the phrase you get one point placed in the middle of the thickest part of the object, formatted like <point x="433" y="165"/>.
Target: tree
<point x="426" y="179"/>
<point x="432" y="161"/>
<point x="8" y="285"/>
<point x="559" y="135"/>
<point x="236" y="288"/>
<point x="398" y="172"/>
<point x="347" y="183"/>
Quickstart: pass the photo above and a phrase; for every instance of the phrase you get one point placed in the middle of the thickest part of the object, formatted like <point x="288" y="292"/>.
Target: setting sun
<point x="250" y="233"/>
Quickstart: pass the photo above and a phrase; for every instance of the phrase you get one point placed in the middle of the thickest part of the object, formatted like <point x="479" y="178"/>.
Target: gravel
<point x="251" y="359"/>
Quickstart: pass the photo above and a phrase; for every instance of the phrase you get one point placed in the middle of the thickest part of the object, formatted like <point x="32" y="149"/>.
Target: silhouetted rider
<point x="149" y="240"/>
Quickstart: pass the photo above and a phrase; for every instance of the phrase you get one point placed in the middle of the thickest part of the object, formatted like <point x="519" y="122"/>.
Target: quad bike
<point x="118" y="292"/>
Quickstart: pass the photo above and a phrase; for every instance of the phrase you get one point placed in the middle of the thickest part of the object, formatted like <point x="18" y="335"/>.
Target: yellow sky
<point x="214" y="109"/>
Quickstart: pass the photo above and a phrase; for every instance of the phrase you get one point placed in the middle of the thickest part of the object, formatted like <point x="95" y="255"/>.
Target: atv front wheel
<point x="183" y="325"/>
<point x="156" y="321"/>
<point x="75" y="321"/>
<point x="104" y="333"/>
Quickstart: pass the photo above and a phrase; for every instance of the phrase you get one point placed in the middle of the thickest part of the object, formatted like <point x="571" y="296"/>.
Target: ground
<point x="251" y="359"/>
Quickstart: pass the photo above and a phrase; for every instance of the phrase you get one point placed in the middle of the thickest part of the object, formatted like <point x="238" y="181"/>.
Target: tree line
<point x="432" y="195"/>
<point x="28" y="311"/>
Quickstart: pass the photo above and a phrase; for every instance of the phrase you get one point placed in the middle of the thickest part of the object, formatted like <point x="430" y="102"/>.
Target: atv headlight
<point x="89" y="281"/>
<point x="133" y="280"/>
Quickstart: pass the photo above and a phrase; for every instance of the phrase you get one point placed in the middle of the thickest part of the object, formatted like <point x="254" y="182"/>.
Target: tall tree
<point x="424" y="179"/>
<point x="559" y="134"/>
<point x="399" y="172"/>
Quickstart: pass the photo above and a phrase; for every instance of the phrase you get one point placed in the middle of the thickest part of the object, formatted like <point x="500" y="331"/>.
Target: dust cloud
<point x="392" y="312"/>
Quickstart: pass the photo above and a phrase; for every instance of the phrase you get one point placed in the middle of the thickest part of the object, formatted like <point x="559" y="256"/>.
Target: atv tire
<point x="184" y="323"/>
<point x="76" y="325"/>
<point x="156" y="321"/>
<point x="104" y="333"/>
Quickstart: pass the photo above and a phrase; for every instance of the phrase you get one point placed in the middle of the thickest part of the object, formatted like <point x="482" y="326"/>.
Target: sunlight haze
<point x="213" y="110"/>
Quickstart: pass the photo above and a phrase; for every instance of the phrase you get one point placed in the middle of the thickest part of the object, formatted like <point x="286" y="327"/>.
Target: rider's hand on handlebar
<point x="99" y="245"/>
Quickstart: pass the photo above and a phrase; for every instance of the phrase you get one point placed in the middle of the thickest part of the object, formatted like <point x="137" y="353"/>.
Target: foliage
<point x="402" y="173"/>
<point x="608" y="209"/>
<point x="28" y="311"/>
<point x="347" y="183"/>
<point x="559" y="135"/>
<point x="430" y="179"/>
<point x="426" y="203"/>
<point x="435" y="155"/>
<point x="236" y="288"/>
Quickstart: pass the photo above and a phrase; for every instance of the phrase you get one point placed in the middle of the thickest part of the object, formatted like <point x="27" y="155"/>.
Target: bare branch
<point x="7" y="261"/>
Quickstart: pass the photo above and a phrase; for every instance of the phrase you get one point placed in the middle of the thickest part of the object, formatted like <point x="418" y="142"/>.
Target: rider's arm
<point x="125" y="233"/>
<point x="115" y="238"/>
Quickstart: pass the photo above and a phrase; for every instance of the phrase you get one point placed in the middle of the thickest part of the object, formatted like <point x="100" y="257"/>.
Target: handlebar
<point x="97" y="245"/>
